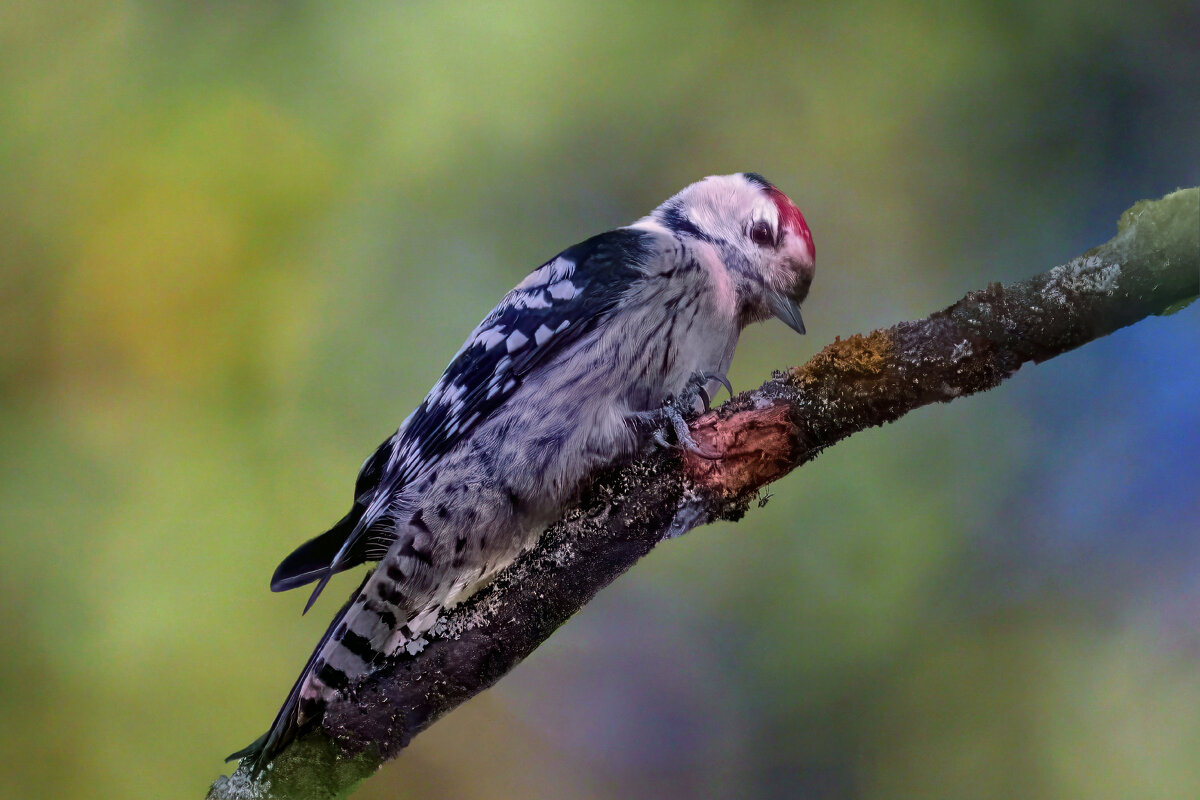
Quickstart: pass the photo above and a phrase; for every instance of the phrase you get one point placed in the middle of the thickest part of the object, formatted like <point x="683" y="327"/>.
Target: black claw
<point x="704" y="452"/>
<point x="721" y="379"/>
<point x="667" y="422"/>
<point x="674" y="421"/>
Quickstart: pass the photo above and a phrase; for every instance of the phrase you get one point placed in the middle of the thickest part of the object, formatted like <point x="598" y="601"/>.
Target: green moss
<point x="1162" y="233"/>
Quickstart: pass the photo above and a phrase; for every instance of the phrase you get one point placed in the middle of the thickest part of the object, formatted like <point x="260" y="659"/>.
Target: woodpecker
<point x="557" y="382"/>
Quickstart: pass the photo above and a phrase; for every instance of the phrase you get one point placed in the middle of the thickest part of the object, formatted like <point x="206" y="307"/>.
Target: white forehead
<point x="721" y="204"/>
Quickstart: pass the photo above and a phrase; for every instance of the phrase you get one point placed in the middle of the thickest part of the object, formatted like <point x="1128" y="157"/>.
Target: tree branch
<point x="1152" y="266"/>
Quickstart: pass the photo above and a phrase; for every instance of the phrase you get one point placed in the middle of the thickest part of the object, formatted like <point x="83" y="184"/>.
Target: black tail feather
<point x="311" y="560"/>
<point x="286" y="728"/>
<point x="252" y="749"/>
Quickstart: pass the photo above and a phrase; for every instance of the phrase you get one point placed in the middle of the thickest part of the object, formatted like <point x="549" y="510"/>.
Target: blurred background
<point x="239" y="241"/>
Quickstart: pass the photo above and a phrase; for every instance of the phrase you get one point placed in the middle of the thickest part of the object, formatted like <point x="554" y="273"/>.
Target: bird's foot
<point x="667" y="425"/>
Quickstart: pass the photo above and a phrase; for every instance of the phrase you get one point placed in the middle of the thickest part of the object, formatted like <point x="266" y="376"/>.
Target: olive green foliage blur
<point x="238" y="241"/>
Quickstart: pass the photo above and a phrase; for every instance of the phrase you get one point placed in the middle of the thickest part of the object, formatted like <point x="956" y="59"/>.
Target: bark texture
<point x="1152" y="266"/>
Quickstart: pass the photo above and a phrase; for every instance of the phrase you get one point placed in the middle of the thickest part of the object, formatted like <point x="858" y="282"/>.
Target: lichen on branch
<point x="1152" y="266"/>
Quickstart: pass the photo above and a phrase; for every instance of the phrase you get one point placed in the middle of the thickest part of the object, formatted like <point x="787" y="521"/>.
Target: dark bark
<point x="1152" y="266"/>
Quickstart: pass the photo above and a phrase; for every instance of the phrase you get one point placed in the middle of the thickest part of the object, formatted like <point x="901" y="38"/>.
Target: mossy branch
<point x="1152" y="266"/>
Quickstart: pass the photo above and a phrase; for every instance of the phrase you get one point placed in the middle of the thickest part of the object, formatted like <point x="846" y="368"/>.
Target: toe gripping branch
<point x="667" y="425"/>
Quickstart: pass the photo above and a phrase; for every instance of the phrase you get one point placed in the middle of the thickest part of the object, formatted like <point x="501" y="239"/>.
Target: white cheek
<point x="724" y="294"/>
<point x="799" y="249"/>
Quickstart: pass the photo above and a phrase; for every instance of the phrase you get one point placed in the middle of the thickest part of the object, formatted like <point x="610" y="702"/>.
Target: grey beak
<point x="787" y="310"/>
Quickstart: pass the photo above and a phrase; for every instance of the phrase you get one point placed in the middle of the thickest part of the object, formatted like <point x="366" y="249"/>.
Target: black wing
<point x="554" y="306"/>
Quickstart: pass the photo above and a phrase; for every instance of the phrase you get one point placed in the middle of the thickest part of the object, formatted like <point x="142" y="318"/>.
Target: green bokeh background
<point x="238" y="241"/>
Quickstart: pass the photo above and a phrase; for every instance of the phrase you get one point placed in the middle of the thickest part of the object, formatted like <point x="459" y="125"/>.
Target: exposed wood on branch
<point x="1151" y="267"/>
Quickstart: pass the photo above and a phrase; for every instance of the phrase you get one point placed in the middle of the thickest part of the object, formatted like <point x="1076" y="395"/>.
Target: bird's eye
<point x="760" y="233"/>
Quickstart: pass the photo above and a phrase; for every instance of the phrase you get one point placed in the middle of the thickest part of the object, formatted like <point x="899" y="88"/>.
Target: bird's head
<point x="759" y="235"/>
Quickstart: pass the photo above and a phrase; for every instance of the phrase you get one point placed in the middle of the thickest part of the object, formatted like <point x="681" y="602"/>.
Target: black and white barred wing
<point x="553" y="307"/>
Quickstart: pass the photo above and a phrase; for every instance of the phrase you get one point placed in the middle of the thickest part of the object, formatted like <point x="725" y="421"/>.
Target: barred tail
<point x="395" y="604"/>
<point x="301" y="710"/>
